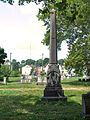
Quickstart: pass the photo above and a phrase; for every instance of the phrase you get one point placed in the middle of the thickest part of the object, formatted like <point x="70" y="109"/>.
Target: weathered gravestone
<point x="5" y="80"/>
<point x="53" y="90"/>
<point x="86" y="104"/>
<point x="41" y="80"/>
<point x="26" y="79"/>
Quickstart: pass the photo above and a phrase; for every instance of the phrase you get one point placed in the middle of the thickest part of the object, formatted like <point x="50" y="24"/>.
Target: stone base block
<point x="61" y="98"/>
<point x="26" y="81"/>
<point x="53" y="94"/>
<point x="40" y="83"/>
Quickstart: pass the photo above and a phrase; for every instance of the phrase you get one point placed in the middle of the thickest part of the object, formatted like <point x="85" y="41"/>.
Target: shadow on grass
<point x="13" y="81"/>
<point x="76" y="83"/>
<point x="30" y="107"/>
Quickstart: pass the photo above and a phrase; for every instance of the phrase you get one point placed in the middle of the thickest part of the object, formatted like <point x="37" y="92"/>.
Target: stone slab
<point x="61" y="98"/>
<point x="86" y="104"/>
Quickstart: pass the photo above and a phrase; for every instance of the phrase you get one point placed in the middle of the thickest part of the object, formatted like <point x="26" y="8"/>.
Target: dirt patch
<point x="81" y="88"/>
<point x="22" y="89"/>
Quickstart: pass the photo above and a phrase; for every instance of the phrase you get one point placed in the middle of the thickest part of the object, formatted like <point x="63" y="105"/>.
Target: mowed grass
<point x="23" y="101"/>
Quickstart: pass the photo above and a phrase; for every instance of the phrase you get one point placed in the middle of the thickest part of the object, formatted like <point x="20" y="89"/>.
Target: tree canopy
<point x="73" y="18"/>
<point x="73" y="25"/>
<point x="4" y="71"/>
<point x="3" y="55"/>
<point x="79" y="57"/>
<point x="15" y="64"/>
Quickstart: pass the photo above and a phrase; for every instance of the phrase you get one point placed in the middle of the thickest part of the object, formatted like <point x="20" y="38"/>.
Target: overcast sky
<point x="21" y="33"/>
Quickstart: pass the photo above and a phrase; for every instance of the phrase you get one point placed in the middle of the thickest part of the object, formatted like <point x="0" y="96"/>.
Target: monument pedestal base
<point x="53" y="94"/>
<point x="61" y="98"/>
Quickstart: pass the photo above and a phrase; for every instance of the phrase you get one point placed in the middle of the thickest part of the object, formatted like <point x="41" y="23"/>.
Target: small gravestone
<point x="26" y="79"/>
<point x="45" y="80"/>
<point x="39" y="80"/>
<point x="86" y="104"/>
<point x="5" y="80"/>
<point x="42" y="80"/>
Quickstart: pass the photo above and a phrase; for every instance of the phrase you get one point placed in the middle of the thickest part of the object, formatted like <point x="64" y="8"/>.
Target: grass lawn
<point x="23" y="101"/>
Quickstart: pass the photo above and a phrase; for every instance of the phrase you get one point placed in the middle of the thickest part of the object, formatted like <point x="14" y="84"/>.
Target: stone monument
<point x="53" y="90"/>
<point x="86" y="105"/>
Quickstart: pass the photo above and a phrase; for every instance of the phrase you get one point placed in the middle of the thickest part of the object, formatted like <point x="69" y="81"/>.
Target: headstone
<point x="26" y="79"/>
<point x="5" y="80"/>
<point x="41" y="80"/>
<point x="45" y="80"/>
<point x="86" y="104"/>
<point x="53" y="90"/>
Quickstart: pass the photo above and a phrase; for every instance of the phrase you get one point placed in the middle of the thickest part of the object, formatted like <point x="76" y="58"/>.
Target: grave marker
<point x="53" y="90"/>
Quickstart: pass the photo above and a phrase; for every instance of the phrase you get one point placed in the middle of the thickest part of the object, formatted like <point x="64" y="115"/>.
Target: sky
<point x="21" y="33"/>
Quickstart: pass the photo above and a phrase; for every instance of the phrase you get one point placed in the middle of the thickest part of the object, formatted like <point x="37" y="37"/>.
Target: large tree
<point x="30" y="61"/>
<point x="79" y="57"/>
<point x="15" y="64"/>
<point x="45" y="61"/>
<point x="61" y="61"/>
<point x="3" y="55"/>
<point x="73" y="25"/>
<point x="39" y="62"/>
<point x="4" y="71"/>
<point x="73" y="18"/>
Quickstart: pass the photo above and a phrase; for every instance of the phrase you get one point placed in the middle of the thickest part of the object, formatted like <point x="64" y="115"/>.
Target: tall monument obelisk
<point x="53" y="90"/>
<point x="53" y="38"/>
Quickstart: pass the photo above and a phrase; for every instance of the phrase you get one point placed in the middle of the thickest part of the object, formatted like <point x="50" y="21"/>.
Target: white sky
<point x="21" y="33"/>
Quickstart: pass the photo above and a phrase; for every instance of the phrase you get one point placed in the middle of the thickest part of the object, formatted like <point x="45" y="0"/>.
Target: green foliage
<point x="79" y="56"/>
<point x="15" y="73"/>
<point x="72" y="16"/>
<point x="30" y="61"/>
<point x="23" y="61"/>
<point x="39" y="62"/>
<point x="15" y="64"/>
<point x="5" y="71"/>
<point x="73" y="25"/>
<point x="3" y="55"/>
<point x="61" y="61"/>
<point x="45" y="61"/>
<point x="71" y="19"/>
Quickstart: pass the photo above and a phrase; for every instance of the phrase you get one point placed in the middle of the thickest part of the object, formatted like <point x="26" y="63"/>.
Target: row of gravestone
<point x="38" y="79"/>
<point x="84" y="79"/>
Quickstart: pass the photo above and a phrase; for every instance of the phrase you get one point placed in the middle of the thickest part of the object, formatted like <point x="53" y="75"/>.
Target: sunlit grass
<point x="23" y="102"/>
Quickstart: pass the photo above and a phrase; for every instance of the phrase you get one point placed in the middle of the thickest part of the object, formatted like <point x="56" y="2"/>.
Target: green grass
<point x="23" y="102"/>
<point x="73" y="82"/>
